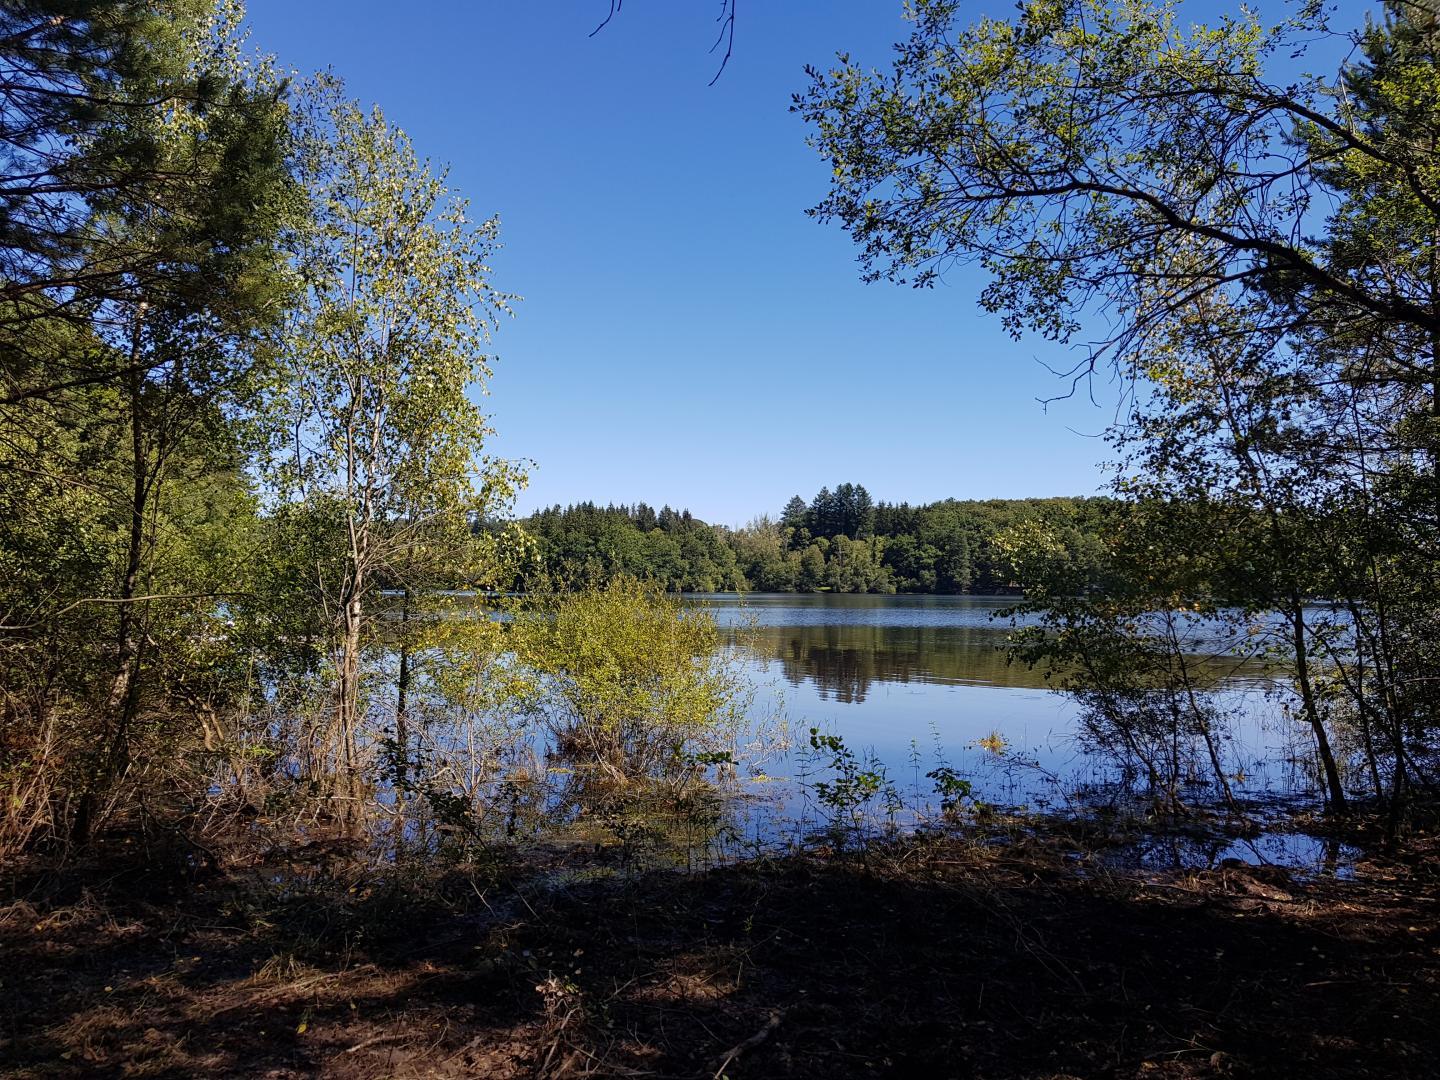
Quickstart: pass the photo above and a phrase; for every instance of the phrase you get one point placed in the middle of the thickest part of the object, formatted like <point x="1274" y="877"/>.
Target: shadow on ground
<point x="928" y="959"/>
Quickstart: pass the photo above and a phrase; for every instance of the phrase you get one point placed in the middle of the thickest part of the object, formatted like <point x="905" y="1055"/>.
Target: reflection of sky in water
<point x="909" y="679"/>
<point x="1318" y="854"/>
<point x="841" y="609"/>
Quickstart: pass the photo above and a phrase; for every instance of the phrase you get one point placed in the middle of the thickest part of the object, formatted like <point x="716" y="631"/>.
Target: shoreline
<point x="933" y="955"/>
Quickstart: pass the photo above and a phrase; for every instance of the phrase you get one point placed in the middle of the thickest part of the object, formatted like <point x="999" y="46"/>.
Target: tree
<point x="760" y="551"/>
<point x="198" y="326"/>
<point x="942" y="529"/>
<point x="1092" y="153"/>
<point x="861" y="513"/>
<point x="852" y="512"/>
<point x="793" y="516"/>
<point x="631" y="680"/>
<point x="150" y="358"/>
<point x="912" y="564"/>
<point x="97" y="98"/>
<point x="1267" y="254"/>
<point x="810" y="574"/>
<point x="380" y="430"/>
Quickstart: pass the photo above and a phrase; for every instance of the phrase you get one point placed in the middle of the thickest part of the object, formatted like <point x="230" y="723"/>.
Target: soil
<point x="928" y="957"/>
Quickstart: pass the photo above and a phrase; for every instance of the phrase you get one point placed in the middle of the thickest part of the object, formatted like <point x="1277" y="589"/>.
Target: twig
<point x="615" y="6"/>
<point x="292" y="987"/>
<point x="748" y="1044"/>
<point x="726" y="19"/>
<point x="397" y="1036"/>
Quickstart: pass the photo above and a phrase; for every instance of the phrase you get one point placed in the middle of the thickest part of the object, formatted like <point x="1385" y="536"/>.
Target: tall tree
<point x="1267" y="251"/>
<point x="95" y="94"/>
<point x="385" y="353"/>
<point x="793" y="515"/>
<point x="823" y="516"/>
<point x="149" y="357"/>
<point x="198" y="322"/>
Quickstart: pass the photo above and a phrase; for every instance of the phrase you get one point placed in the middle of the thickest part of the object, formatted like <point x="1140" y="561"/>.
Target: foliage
<point x="945" y="547"/>
<point x="1253" y="252"/>
<point x="139" y="308"/>
<point x="1092" y="153"/>
<point x="858" y="787"/>
<point x="630" y="681"/>
<point x="239" y="332"/>
<point x="372" y="419"/>
<point x="955" y="791"/>
<point x="143" y="165"/>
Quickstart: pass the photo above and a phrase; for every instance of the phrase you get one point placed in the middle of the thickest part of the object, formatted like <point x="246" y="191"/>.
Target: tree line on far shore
<point x="841" y="540"/>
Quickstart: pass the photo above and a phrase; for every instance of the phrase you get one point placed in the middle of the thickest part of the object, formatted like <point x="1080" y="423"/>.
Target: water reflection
<point x="915" y="683"/>
<point x="1323" y="856"/>
<point x="842" y="645"/>
<point x="843" y="662"/>
<point x="890" y="673"/>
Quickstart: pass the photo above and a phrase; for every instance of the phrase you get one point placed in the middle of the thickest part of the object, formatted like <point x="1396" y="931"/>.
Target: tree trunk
<point x="1335" y="790"/>
<point x="402" y="726"/>
<point x="119" y="708"/>
<point x="347" y="706"/>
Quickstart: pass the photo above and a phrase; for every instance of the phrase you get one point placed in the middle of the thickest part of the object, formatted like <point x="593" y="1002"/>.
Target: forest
<point x="836" y="542"/>
<point x="318" y="759"/>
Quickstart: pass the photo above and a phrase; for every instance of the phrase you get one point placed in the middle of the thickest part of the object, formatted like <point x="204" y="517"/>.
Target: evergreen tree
<point x="822" y="519"/>
<point x="139" y="303"/>
<point x="793" y="516"/>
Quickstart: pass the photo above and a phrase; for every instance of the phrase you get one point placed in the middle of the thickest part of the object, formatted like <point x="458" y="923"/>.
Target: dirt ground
<point x="927" y="958"/>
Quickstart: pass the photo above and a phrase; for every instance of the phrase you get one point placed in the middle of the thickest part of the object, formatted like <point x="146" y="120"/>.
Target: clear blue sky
<point x="687" y="334"/>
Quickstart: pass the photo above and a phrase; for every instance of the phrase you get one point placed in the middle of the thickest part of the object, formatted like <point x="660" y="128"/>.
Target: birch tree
<point x="379" y="424"/>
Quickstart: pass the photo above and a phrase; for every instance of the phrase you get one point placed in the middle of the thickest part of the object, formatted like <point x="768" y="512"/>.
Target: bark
<point x="347" y="779"/>
<point x="402" y="726"/>
<point x="120" y="702"/>
<point x="1335" y="791"/>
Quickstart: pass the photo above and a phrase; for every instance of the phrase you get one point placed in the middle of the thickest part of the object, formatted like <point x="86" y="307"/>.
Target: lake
<point x="915" y="680"/>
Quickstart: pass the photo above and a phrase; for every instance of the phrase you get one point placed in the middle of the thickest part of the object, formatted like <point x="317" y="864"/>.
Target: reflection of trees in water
<point x="845" y="673"/>
<point x="843" y="661"/>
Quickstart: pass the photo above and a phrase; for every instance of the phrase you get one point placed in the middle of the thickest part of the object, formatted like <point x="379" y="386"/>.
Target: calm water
<point x="918" y="681"/>
<point x="913" y="679"/>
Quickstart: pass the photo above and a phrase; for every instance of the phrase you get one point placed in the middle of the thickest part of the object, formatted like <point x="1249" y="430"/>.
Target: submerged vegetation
<point x="248" y="706"/>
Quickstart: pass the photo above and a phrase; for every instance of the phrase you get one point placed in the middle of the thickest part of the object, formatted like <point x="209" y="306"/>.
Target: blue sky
<point x="687" y="334"/>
